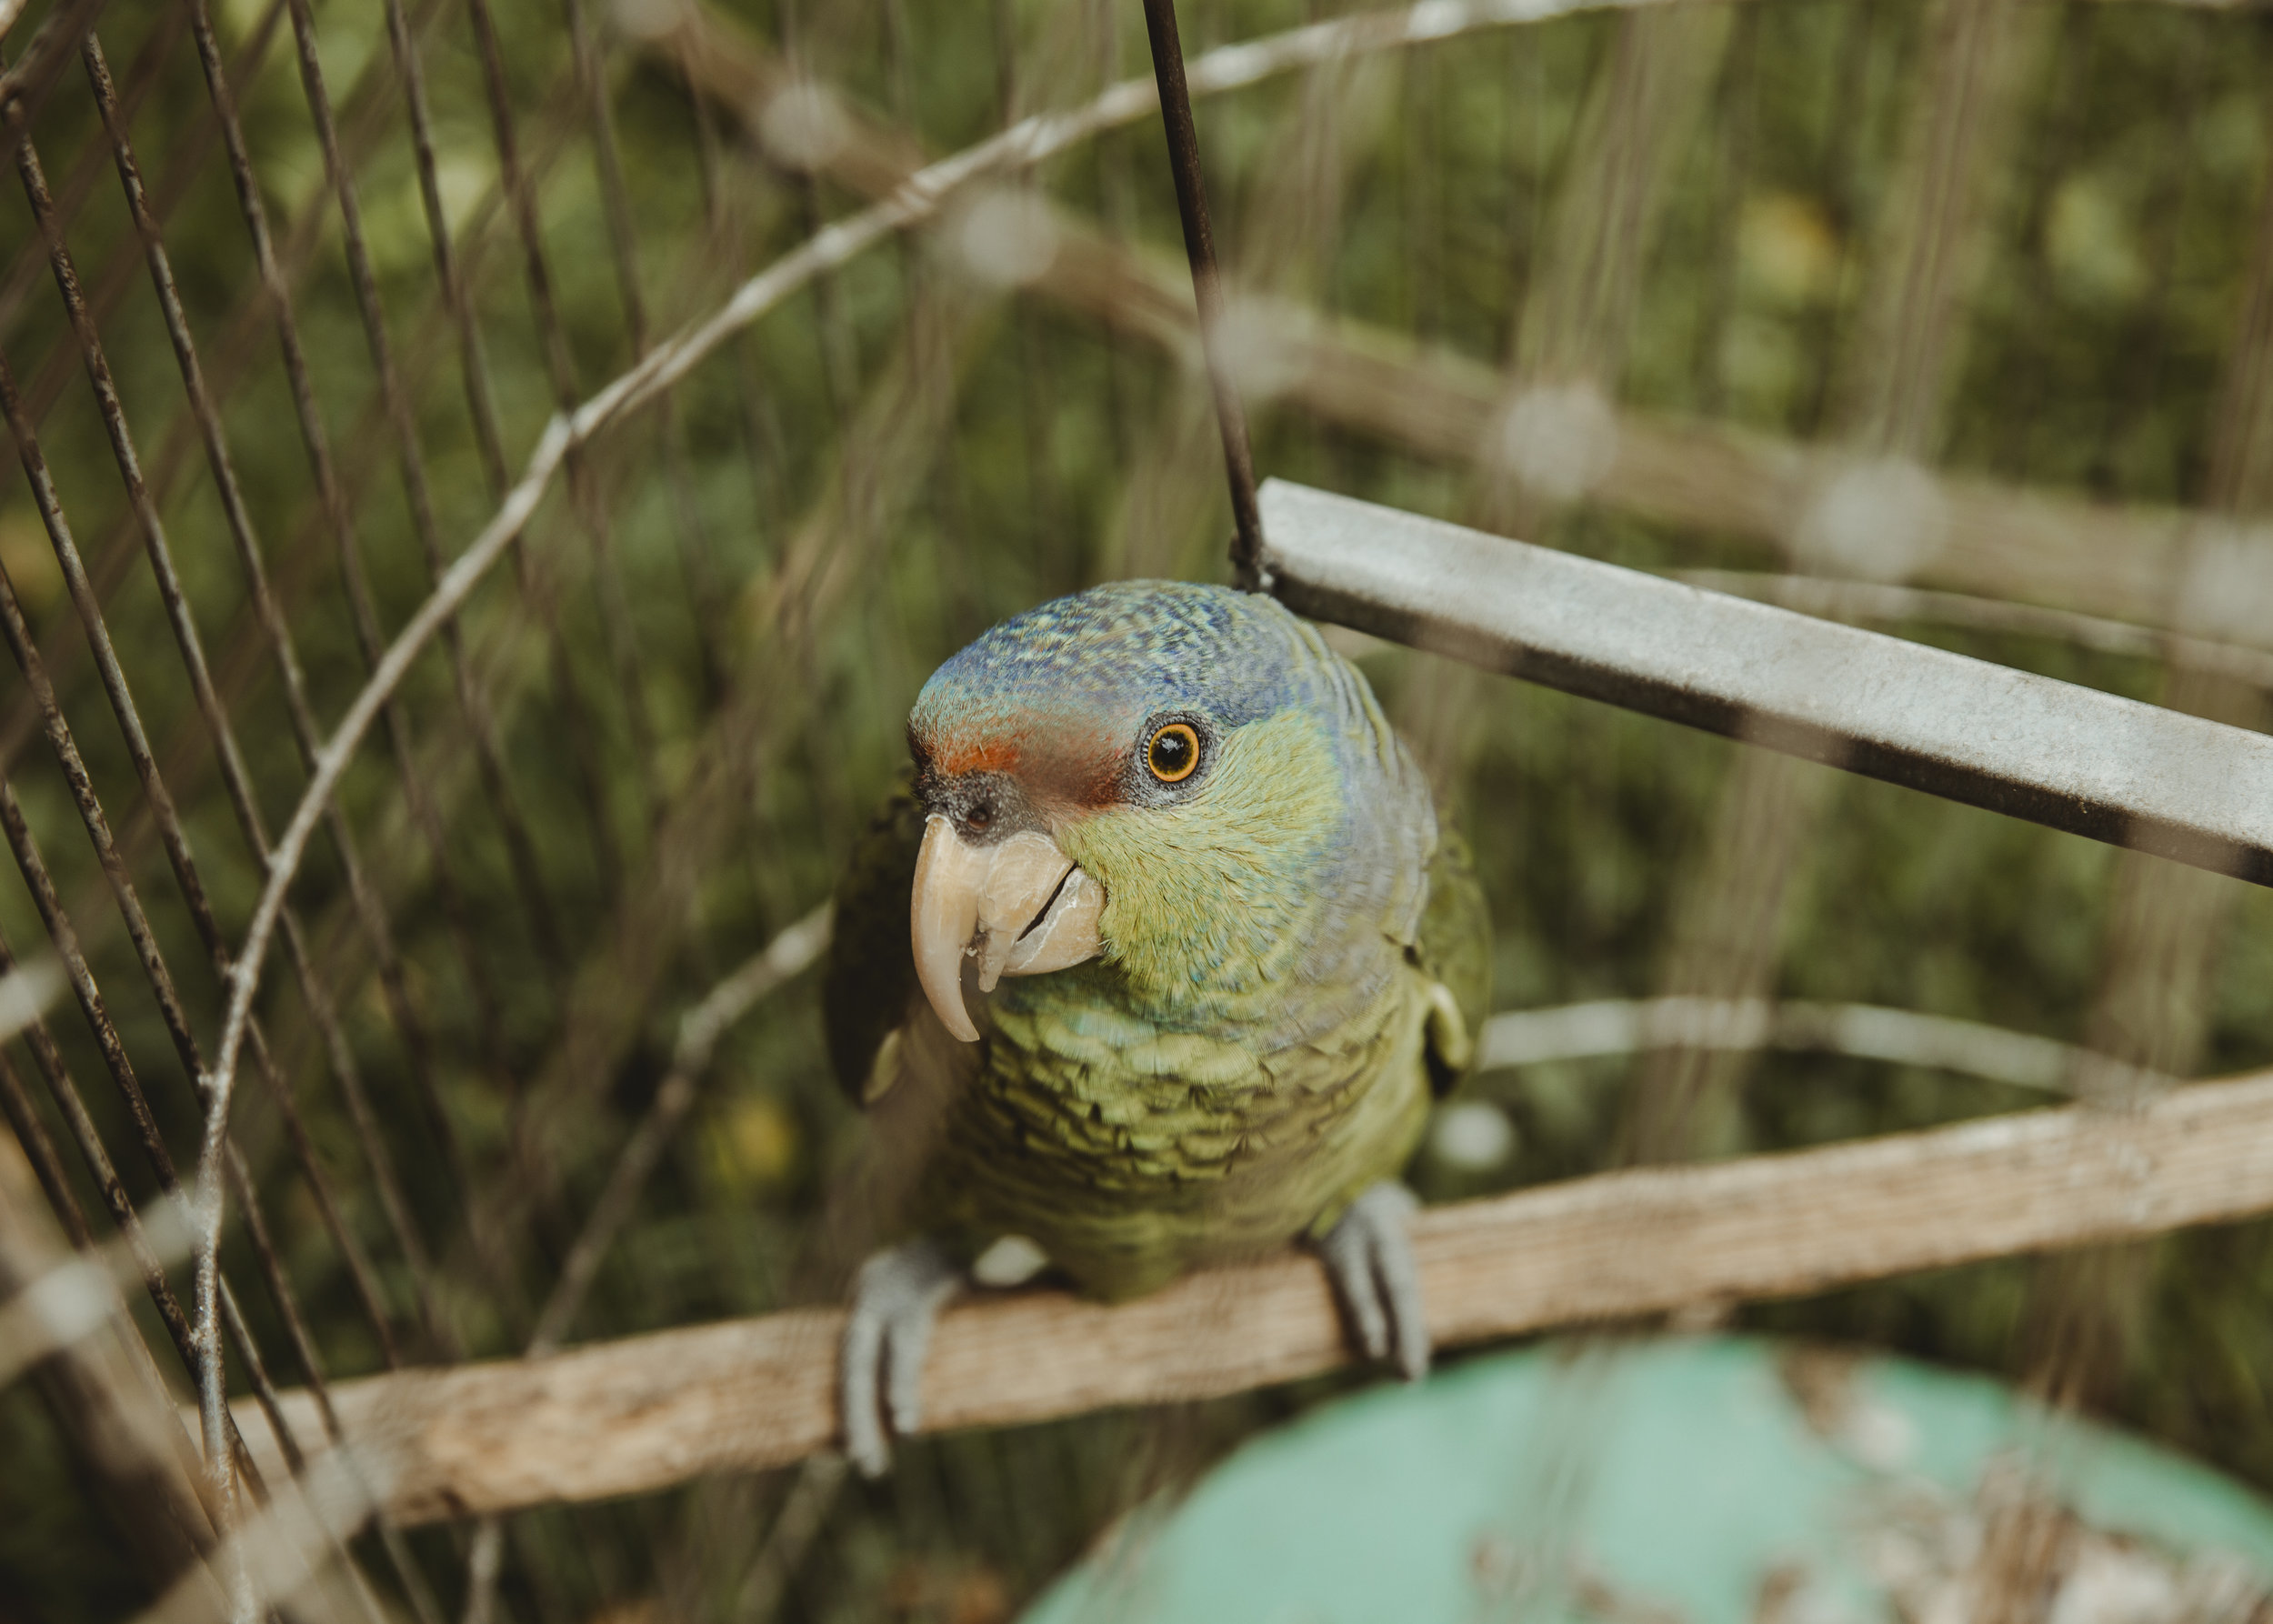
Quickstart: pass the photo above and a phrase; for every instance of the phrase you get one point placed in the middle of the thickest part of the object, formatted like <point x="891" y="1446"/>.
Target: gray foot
<point x="896" y="1295"/>
<point x="1369" y="1256"/>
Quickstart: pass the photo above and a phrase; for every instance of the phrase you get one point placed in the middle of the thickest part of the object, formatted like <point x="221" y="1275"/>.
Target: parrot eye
<point x="1172" y="752"/>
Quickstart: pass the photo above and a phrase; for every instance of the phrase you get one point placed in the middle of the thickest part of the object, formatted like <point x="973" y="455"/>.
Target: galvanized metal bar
<point x="2065" y="757"/>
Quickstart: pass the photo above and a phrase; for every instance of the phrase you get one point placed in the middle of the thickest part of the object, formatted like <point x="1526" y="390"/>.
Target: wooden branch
<point x="641" y="1413"/>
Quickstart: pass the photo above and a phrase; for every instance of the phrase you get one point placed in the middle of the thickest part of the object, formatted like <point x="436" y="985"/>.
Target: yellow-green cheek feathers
<point x="1206" y="905"/>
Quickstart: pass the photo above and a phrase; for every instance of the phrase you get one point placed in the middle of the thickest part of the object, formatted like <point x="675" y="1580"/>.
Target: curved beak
<point x="1019" y="906"/>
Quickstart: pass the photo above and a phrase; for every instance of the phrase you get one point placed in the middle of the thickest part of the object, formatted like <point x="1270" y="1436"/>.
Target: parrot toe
<point x="896" y="1295"/>
<point x="1368" y="1254"/>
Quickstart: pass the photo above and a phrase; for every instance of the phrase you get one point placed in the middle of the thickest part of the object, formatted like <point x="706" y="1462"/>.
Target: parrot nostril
<point x="981" y="816"/>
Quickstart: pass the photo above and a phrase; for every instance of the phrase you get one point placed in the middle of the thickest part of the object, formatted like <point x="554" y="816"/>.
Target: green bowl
<point x="1685" y="1481"/>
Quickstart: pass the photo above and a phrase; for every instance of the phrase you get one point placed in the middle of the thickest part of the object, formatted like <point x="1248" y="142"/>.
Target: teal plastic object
<point x="1715" y="1480"/>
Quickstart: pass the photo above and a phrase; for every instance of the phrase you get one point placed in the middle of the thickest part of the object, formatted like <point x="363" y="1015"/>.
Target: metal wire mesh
<point x="313" y="312"/>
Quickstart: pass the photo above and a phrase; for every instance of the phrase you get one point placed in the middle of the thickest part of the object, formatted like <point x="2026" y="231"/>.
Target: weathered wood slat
<point x="640" y="1413"/>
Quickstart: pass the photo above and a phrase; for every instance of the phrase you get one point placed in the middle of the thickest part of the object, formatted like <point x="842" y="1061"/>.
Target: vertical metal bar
<point x="2167" y="929"/>
<point x="39" y="1149"/>
<point x="1960" y="131"/>
<point x="473" y="372"/>
<point x="399" y="412"/>
<point x="82" y="593"/>
<point x="1200" y="244"/>
<point x="2146" y="329"/>
<point x="838" y="347"/>
<point x="24" y="86"/>
<point x="146" y="1469"/>
<point x="333" y="501"/>
<point x="1732" y="173"/>
<point x="621" y="644"/>
<point x="59" y="734"/>
<point x="227" y="1319"/>
<point x="26" y="273"/>
<point x="188" y="149"/>
<point x="760" y="426"/>
<point x="234" y="773"/>
<point x="270" y="617"/>
<point x="473" y="368"/>
<point x="60" y="930"/>
<point x="90" y="1142"/>
<point x="691" y="534"/>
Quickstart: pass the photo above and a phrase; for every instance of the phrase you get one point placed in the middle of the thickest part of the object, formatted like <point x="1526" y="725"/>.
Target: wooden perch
<point x="644" y="1413"/>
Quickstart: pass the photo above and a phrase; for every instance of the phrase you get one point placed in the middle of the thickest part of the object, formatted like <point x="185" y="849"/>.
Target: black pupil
<point x="1172" y="750"/>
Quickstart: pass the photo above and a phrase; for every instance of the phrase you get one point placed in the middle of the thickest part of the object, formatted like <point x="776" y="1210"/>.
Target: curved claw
<point x="1368" y="1255"/>
<point x="896" y="1296"/>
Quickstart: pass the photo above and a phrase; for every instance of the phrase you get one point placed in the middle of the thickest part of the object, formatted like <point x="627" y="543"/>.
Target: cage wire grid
<point x="389" y="455"/>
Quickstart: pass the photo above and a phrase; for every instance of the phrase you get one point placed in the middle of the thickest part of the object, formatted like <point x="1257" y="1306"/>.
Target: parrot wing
<point x="891" y="1055"/>
<point x="1455" y="949"/>
<point x="870" y="976"/>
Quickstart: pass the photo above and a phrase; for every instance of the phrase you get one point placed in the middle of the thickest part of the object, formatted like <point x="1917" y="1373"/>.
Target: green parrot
<point x="1154" y="963"/>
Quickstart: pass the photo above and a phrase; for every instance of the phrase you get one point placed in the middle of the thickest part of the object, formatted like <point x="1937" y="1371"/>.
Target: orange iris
<point x="1173" y="753"/>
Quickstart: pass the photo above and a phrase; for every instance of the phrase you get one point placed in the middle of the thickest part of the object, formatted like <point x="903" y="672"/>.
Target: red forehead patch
<point x="1069" y="766"/>
<point x="957" y="756"/>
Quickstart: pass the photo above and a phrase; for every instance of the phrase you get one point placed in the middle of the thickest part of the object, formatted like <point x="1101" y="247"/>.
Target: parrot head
<point x="1181" y="781"/>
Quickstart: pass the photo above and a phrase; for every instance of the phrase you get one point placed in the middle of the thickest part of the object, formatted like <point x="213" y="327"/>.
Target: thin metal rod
<point x="24" y="88"/>
<point x="1199" y="242"/>
<point x="161" y="804"/>
<point x="160" y="801"/>
<point x="400" y="412"/>
<point x="473" y="375"/>
<point x="584" y="499"/>
<point x="319" y="999"/>
<point x="68" y="1101"/>
<point x="29" y="269"/>
<point x="334" y="506"/>
<point x="189" y="144"/>
<point x="19" y="638"/>
<point x="697" y="563"/>
<point x="39" y="1149"/>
